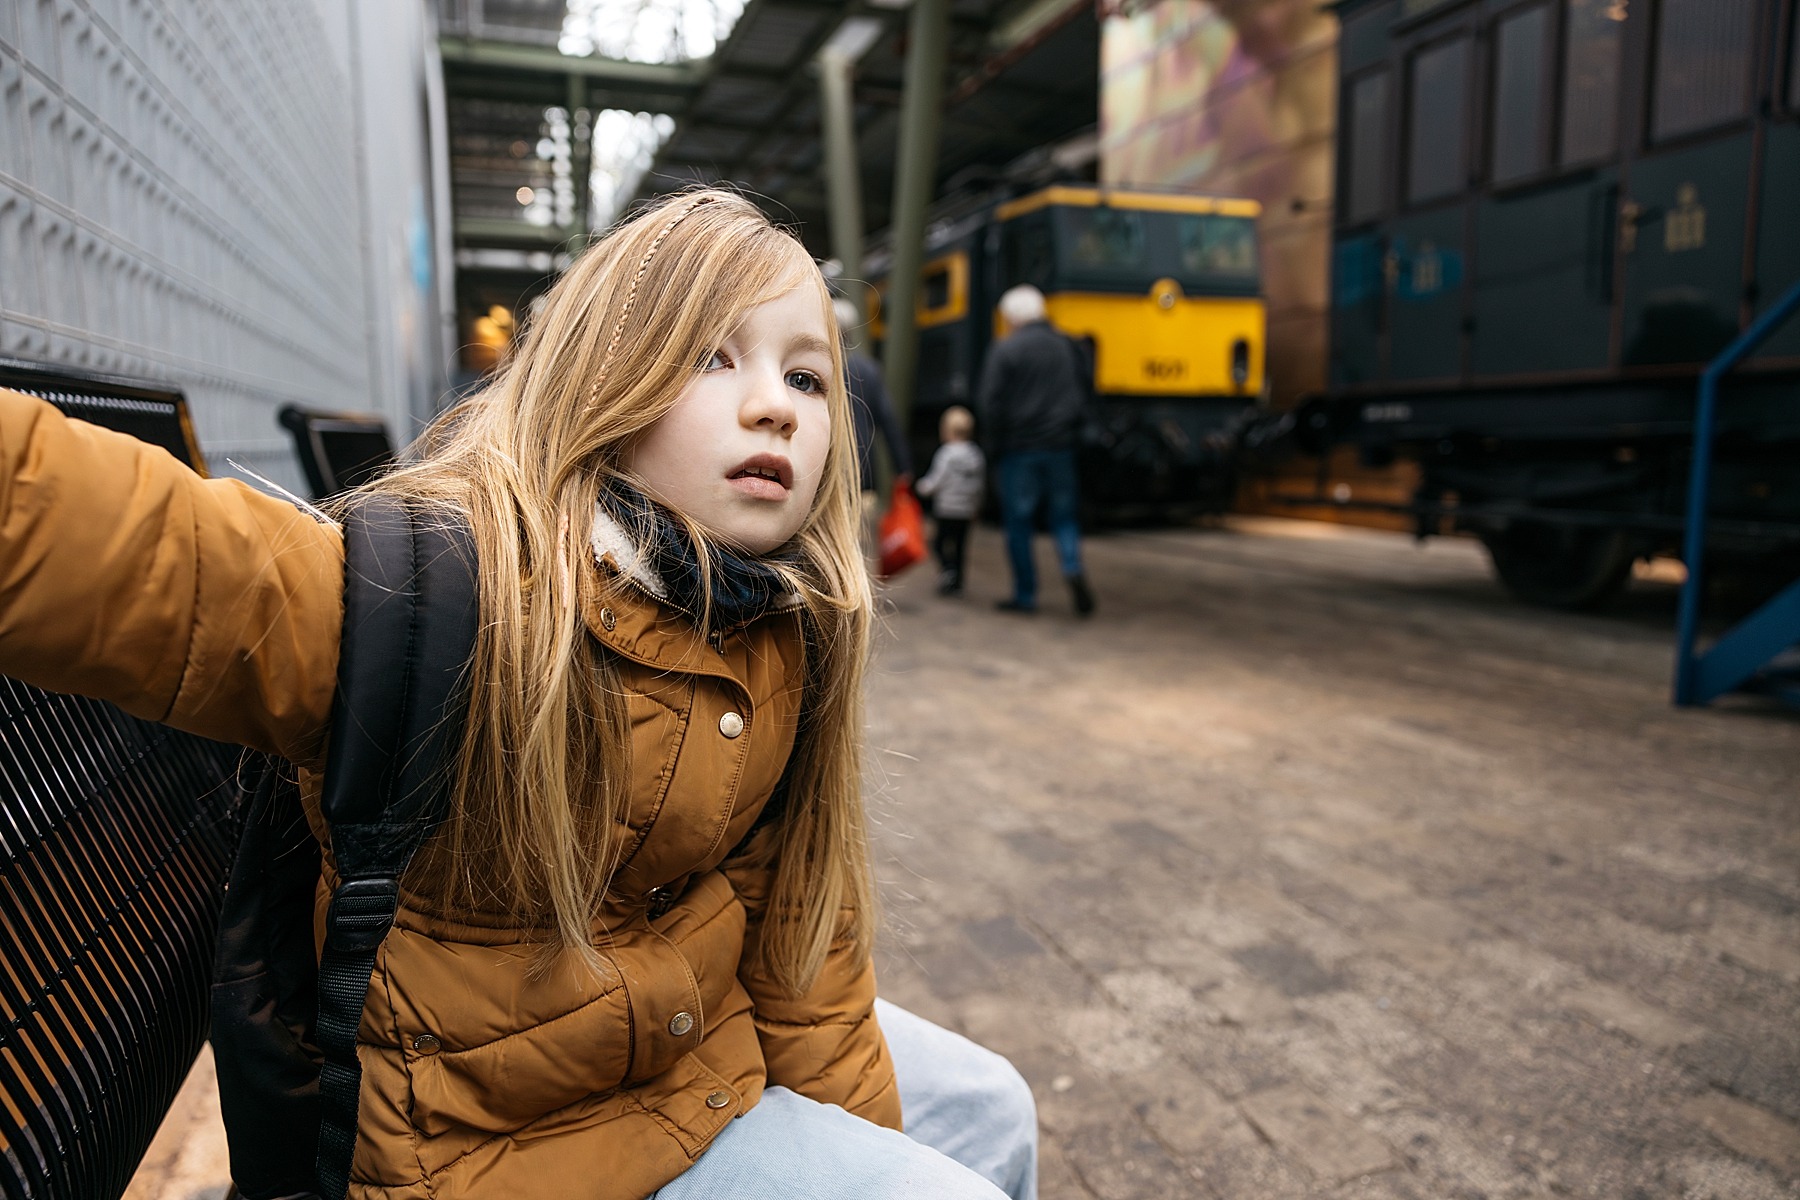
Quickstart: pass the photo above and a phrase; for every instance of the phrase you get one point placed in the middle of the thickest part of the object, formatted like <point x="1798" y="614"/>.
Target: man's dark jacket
<point x="870" y="410"/>
<point x="1034" y="392"/>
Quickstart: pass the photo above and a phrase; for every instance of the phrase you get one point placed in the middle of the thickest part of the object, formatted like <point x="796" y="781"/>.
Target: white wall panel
<point x="232" y="197"/>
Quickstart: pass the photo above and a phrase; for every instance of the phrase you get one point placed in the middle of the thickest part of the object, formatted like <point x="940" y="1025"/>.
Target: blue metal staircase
<point x="1755" y="650"/>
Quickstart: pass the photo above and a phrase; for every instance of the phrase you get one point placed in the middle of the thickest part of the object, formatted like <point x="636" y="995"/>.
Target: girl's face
<point x="743" y="450"/>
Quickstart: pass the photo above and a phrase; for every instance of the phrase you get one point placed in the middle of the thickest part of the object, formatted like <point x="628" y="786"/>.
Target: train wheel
<point x="1561" y="566"/>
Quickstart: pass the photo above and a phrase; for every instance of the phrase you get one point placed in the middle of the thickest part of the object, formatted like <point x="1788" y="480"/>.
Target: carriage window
<point x="1217" y="246"/>
<point x="1105" y="238"/>
<point x="1794" y="59"/>
<point x="1590" y="111"/>
<point x="1702" y="62"/>
<point x="1521" y="55"/>
<point x="1436" y="121"/>
<point x="1366" y="147"/>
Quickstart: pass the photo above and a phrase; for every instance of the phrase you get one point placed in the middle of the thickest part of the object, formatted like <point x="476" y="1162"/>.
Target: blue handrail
<point x="1747" y="646"/>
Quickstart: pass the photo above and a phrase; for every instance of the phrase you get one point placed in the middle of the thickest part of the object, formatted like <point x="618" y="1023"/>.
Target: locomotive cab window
<point x="943" y="290"/>
<point x="1702" y="65"/>
<point x="1216" y="250"/>
<point x="1521" y="105"/>
<point x="1028" y="254"/>
<point x="936" y="291"/>
<point x="1437" y="122"/>
<point x="1105" y="239"/>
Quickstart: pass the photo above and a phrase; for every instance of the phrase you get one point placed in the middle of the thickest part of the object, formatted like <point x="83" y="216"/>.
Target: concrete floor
<point x="1313" y="866"/>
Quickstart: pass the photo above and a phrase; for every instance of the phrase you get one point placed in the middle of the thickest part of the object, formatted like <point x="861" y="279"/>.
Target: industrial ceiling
<point x="1022" y="75"/>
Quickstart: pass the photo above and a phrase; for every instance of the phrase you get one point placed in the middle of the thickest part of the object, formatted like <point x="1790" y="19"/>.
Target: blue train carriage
<point x="1550" y="215"/>
<point x="1163" y="293"/>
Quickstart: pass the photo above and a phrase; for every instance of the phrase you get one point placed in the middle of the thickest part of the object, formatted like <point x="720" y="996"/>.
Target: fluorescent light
<point x="852" y="39"/>
<point x="1027" y="21"/>
<point x="496" y="259"/>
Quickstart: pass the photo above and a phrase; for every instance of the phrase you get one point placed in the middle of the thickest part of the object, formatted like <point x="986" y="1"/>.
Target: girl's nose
<point x="769" y="405"/>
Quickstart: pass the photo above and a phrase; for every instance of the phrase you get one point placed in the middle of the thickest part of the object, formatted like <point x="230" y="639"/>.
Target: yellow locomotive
<point x="1164" y="293"/>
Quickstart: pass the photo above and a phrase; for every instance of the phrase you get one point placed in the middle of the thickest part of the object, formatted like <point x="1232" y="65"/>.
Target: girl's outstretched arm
<point x="125" y="576"/>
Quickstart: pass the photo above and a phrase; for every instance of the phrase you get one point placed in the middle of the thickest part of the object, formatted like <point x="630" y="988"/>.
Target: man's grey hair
<point x="1022" y="305"/>
<point x="849" y="319"/>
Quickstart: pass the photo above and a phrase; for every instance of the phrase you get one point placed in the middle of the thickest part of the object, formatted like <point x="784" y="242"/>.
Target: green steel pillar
<point x="580" y="164"/>
<point x="843" y="185"/>
<point x="927" y="43"/>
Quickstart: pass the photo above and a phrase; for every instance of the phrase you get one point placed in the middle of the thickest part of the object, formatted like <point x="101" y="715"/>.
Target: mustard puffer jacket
<point x="210" y="607"/>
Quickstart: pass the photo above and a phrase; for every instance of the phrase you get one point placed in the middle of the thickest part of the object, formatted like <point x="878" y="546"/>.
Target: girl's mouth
<point x="763" y="477"/>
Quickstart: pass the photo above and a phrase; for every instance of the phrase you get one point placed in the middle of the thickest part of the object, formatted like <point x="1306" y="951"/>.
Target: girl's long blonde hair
<point x="543" y="782"/>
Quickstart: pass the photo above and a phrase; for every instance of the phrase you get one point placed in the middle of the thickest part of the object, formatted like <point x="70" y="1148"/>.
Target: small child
<point x="956" y="477"/>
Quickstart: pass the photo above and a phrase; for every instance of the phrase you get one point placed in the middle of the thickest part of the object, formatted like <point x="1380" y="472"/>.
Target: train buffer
<point x="1757" y="652"/>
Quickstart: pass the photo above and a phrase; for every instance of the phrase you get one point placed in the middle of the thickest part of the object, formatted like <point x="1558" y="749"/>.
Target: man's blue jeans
<point x="1028" y="478"/>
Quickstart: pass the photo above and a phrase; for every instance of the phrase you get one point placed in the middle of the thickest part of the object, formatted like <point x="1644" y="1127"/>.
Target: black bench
<point x="115" y="838"/>
<point x="337" y="450"/>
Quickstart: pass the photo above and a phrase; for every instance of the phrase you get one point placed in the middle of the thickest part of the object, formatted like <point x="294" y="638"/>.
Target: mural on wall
<point x="1235" y="97"/>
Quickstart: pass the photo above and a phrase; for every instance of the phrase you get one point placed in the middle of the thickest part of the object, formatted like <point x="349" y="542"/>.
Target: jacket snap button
<point x="731" y="724"/>
<point x="718" y="1100"/>
<point x="425" y="1043"/>
<point x="658" y="901"/>
<point x="681" y="1023"/>
<point x="607" y="620"/>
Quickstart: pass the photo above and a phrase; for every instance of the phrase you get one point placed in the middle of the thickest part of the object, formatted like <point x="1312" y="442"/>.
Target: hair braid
<point x="618" y="332"/>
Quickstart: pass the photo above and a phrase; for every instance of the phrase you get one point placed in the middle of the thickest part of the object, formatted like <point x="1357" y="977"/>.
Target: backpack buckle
<point x="361" y="913"/>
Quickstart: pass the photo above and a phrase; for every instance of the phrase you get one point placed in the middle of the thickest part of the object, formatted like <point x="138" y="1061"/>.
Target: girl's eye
<point x="805" y="381"/>
<point x="716" y="361"/>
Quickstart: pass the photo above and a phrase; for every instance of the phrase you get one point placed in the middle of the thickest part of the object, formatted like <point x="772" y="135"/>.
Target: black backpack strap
<point x="410" y="615"/>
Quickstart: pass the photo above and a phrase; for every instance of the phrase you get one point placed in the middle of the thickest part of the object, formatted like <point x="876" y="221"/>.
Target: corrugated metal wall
<point x="237" y="198"/>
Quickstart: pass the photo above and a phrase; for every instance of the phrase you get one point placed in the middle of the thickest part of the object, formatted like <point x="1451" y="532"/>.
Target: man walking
<point x="1032" y="399"/>
<point x="870" y="409"/>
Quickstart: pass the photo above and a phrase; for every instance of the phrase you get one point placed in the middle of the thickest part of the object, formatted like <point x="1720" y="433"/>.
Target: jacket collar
<point x="629" y="611"/>
<point x="614" y="548"/>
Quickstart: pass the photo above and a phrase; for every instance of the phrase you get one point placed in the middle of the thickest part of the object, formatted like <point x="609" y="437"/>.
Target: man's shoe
<point x="1014" y="606"/>
<point x="1084" y="595"/>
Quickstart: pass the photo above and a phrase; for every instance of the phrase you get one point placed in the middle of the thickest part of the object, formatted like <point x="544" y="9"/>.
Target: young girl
<point x="650" y="911"/>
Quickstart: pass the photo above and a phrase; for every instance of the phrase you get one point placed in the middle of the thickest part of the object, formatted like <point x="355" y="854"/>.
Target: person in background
<point x="1032" y="402"/>
<point x="870" y="411"/>
<point x="954" y="485"/>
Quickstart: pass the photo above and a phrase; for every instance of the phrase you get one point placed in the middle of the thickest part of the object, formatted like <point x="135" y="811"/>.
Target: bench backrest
<point x="115" y="839"/>
<point x="337" y="450"/>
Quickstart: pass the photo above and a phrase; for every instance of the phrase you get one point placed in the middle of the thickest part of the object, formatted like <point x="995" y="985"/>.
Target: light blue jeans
<point x="971" y="1133"/>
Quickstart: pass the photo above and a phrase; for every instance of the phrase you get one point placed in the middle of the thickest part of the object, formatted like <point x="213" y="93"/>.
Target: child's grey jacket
<point x="956" y="475"/>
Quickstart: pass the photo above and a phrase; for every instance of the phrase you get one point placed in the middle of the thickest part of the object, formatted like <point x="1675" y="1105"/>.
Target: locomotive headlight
<point x="1240" y="363"/>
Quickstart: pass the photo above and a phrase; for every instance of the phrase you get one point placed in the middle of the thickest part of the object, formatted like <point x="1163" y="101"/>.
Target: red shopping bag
<point x="902" y="532"/>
